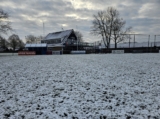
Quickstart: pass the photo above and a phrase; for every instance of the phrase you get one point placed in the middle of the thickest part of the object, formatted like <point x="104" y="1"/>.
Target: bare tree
<point x="30" y="39"/>
<point x="39" y="38"/>
<point x="104" y="24"/>
<point x="33" y="39"/>
<point x="5" y="25"/>
<point x="14" y="41"/>
<point x="79" y="36"/>
<point x="3" y="43"/>
<point x="119" y="31"/>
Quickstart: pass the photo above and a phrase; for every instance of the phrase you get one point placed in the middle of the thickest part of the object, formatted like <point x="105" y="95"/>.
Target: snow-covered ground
<point x="120" y="86"/>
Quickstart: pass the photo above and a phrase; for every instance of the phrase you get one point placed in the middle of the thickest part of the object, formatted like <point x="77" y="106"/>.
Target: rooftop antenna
<point x="62" y="28"/>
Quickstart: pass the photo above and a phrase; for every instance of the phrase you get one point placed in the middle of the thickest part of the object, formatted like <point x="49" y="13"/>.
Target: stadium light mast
<point x="43" y="29"/>
<point x="77" y="37"/>
<point x="148" y="41"/>
<point x="155" y="40"/>
<point x="134" y="40"/>
<point x="129" y="41"/>
<point x="77" y="43"/>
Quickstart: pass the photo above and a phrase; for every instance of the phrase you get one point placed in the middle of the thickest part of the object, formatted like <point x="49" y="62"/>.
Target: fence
<point x="134" y="40"/>
<point x="135" y="43"/>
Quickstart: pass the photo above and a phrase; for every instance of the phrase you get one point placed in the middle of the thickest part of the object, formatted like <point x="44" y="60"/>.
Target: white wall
<point x="8" y="54"/>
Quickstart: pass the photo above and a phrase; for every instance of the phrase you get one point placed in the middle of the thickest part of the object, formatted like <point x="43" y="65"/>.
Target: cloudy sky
<point x="27" y="16"/>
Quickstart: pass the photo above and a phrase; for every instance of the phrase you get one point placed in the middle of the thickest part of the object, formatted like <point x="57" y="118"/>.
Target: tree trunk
<point x="108" y="45"/>
<point x="104" y="41"/>
<point x="115" y="45"/>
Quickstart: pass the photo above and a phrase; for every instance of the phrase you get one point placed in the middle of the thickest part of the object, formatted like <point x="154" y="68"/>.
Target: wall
<point x="55" y="48"/>
<point x="8" y="54"/>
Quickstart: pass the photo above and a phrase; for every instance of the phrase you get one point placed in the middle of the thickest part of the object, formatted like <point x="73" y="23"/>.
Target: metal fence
<point x="135" y="40"/>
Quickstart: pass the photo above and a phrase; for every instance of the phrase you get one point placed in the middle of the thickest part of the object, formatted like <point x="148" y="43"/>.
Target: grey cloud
<point x="27" y="16"/>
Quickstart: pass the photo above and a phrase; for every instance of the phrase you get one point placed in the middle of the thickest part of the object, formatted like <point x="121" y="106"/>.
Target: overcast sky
<point x="27" y="16"/>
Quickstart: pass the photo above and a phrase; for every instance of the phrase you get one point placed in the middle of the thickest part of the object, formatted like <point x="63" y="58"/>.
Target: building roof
<point x="36" y="45"/>
<point x="63" y="35"/>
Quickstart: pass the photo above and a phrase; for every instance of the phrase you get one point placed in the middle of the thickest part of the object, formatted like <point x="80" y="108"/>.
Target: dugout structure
<point x="40" y="49"/>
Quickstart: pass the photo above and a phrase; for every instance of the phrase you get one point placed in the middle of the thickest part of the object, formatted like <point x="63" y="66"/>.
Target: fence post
<point x="148" y="42"/>
<point x="134" y="40"/>
<point x="129" y="41"/>
<point x="151" y="48"/>
<point x="154" y="40"/>
<point x="95" y="48"/>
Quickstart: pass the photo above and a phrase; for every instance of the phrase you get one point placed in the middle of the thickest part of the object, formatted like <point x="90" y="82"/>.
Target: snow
<point x="36" y="45"/>
<point x="118" y="86"/>
<point x="59" y="35"/>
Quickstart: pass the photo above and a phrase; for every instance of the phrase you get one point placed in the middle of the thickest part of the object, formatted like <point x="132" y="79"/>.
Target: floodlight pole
<point x="129" y="41"/>
<point x="77" y="44"/>
<point x="43" y="29"/>
<point x="155" y="40"/>
<point x="148" y="42"/>
<point x="134" y="40"/>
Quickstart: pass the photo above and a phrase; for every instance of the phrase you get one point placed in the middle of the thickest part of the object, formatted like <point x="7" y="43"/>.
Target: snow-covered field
<point x="119" y="86"/>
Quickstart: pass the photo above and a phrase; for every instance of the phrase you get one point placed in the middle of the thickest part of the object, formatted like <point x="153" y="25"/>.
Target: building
<point x="62" y="42"/>
<point x="58" y="41"/>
